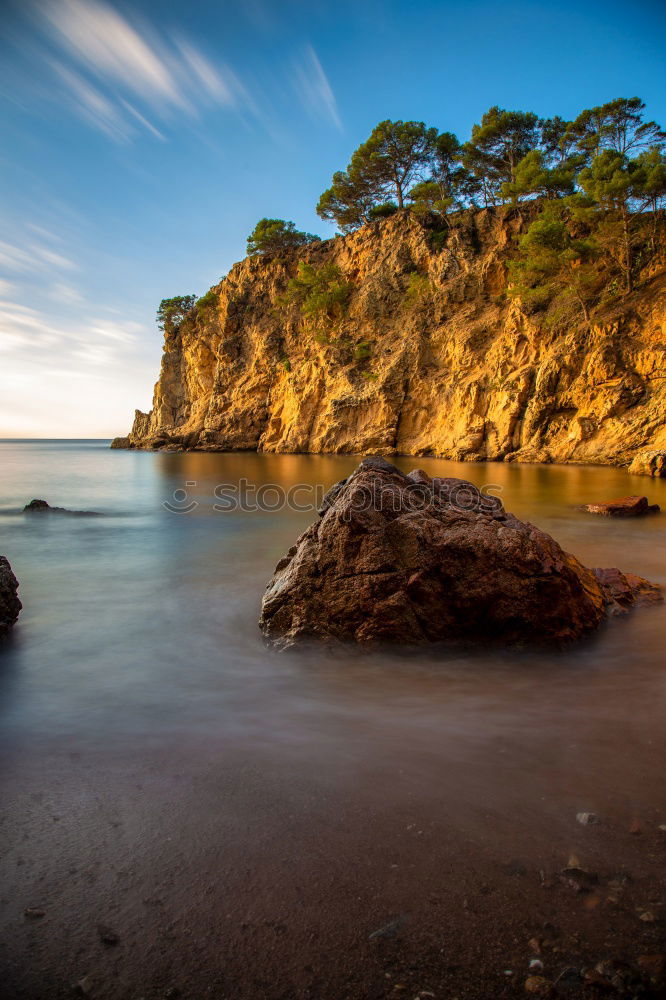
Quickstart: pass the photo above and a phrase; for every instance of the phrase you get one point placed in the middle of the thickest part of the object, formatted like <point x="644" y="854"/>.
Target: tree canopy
<point x="172" y="312"/>
<point x="381" y="171"/>
<point x="274" y="236"/>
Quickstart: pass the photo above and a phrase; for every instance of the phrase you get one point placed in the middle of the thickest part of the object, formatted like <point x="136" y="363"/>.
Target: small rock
<point x="107" y="935"/>
<point x="538" y="986"/>
<point x="535" y="944"/>
<point x="569" y="976"/>
<point x="622" y="507"/>
<point x="592" y="977"/>
<point x="662" y="827"/>
<point x="647" y="916"/>
<point x="654" y="966"/>
<point x="587" y="819"/>
<point x="86" y="985"/>
<point x="635" y="827"/>
<point x="536" y="965"/>
<point x="34" y="913"/>
<point x="388" y="930"/>
<point x="617" y="972"/>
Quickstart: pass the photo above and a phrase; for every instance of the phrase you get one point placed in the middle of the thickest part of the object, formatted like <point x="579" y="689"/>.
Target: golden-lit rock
<point x="456" y="369"/>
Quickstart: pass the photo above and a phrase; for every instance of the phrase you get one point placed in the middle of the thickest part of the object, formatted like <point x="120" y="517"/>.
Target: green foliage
<point x="533" y="176"/>
<point x="430" y="196"/>
<point x="320" y="292"/>
<point x="275" y="236"/>
<point x="552" y="263"/>
<point x="617" y="126"/>
<point x="207" y="301"/>
<point x="172" y="312"/>
<point x="382" y="169"/>
<point x="449" y="184"/>
<point x="382" y="211"/>
<point x="363" y="351"/>
<point x="497" y="146"/>
<point x="418" y="287"/>
<point x="286" y="364"/>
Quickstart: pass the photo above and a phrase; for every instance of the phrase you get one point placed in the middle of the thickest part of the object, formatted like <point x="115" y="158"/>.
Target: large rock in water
<point x="410" y="559"/>
<point x="10" y="605"/>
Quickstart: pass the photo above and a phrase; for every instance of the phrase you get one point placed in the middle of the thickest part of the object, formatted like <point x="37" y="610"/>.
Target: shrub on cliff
<point x="207" y="301"/>
<point x="172" y="312"/>
<point x="275" y="236"/>
<point x="320" y="292"/>
<point x="555" y="266"/>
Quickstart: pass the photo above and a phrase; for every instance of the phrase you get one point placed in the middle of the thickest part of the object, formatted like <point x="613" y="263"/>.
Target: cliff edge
<point x="430" y="356"/>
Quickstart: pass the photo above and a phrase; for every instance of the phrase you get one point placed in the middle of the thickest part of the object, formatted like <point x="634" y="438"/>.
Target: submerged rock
<point x="42" y="507"/>
<point x="622" y="507"/>
<point x="10" y="606"/>
<point x="410" y="559"/>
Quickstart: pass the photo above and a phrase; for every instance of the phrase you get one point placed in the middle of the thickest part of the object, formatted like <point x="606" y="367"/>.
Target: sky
<point x="142" y="142"/>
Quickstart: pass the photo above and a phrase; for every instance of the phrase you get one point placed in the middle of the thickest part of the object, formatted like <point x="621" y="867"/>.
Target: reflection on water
<point x="139" y="634"/>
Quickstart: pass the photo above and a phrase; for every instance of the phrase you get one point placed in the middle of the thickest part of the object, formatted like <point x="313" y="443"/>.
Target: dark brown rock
<point x="410" y="559"/>
<point x="10" y="605"/>
<point x="42" y="507"/>
<point x="37" y="507"/>
<point x="622" y="507"/>
<point x="624" y="590"/>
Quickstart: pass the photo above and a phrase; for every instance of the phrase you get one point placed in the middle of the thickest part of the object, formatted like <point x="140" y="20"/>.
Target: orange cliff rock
<point x="456" y="367"/>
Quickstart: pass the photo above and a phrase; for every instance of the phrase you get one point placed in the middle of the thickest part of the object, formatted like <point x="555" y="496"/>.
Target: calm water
<point x="137" y="696"/>
<point x="142" y="623"/>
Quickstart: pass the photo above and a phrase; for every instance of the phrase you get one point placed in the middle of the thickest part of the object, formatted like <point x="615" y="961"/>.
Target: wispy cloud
<point x="32" y="257"/>
<point x="66" y="294"/>
<point x="99" y="36"/>
<point x="121" y="76"/>
<point x="314" y="90"/>
<point x="28" y="333"/>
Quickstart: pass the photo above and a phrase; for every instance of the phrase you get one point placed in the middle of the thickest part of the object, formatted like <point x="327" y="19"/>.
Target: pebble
<point x="635" y="827"/>
<point x="34" y="913"/>
<point x="536" y="965"/>
<point x="647" y="916"/>
<point x="538" y="986"/>
<point x="587" y="819"/>
<point x="107" y="935"/>
<point x="653" y="965"/>
<point x="85" y="985"/>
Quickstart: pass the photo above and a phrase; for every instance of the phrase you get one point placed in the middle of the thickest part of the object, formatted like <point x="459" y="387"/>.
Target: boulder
<point x="410" y="559"/>
<point x="39" y="507"/>
<point x="42" y="507"/>
<point x="649" y="463"/>
<point x="10" y="605"/>
<point x="622" y="507"/>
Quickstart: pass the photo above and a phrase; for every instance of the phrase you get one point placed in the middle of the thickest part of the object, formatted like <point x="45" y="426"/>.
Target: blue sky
<point x="143" y="141"/>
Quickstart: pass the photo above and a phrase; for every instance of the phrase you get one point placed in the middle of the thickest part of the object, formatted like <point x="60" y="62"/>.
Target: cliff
<point x="430" y="357"/>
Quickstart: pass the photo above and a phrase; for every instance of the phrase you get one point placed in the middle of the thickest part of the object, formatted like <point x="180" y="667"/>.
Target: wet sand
<point x="267" y="871"/>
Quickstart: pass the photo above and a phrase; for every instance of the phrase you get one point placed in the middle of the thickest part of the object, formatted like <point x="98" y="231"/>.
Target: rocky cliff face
<point x="432" y="357"/>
